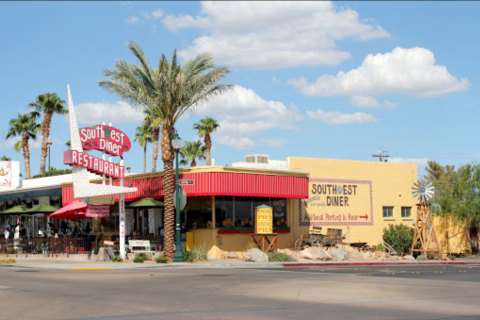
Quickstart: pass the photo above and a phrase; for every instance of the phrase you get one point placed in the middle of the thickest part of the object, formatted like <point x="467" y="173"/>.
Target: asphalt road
<point x="402" y="292"/>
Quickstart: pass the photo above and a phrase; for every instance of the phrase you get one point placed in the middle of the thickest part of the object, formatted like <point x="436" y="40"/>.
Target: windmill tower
<point x="424" y="231"/>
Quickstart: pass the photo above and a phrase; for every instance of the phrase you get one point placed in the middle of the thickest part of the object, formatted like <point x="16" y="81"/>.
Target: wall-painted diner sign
<point x="337" y="202"/>
<point x="264" y="220"/>
<point x="105" y="138"/>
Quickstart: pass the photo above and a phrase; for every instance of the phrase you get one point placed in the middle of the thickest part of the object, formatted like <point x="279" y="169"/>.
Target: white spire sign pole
<point x="82" y="188"/>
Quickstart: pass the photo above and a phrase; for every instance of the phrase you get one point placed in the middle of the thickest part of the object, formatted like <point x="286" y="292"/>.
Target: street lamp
<point x="48" y="142"/>
<point x="178" y="257"/>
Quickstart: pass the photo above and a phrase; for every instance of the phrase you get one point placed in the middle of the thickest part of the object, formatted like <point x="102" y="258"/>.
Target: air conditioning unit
<point x="256" y="158"/>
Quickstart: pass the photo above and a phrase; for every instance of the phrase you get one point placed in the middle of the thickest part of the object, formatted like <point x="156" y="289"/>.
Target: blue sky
<point x="314" y="79"/>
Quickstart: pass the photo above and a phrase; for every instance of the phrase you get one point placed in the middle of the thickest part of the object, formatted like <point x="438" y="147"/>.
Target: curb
<point x="382" y="263"/>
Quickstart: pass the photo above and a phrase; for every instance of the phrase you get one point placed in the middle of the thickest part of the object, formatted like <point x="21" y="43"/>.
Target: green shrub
<point x="143" y="255"/>
<point x="11" y="260"/>
<point x="400" y="237"/>
<point x="380" y="247"/>
<point x="198" y="253"/>
<point x="138" y="259"/>
<point x="467" y="252"/>
<point x="279" y="257"/>
<point x="161" y="259"/>
<point x="117" y="259"/>
<point x="452" y="257"/>
<point x="11" y="251"/>
<point x="422" y="258"/>
<point x="430" y="256"/>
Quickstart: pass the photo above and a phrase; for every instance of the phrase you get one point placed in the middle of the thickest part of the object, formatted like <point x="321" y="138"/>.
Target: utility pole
<point x="382" y="154"/>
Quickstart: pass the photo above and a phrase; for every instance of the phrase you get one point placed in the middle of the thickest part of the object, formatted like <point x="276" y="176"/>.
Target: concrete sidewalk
<point x="65" y="264"/>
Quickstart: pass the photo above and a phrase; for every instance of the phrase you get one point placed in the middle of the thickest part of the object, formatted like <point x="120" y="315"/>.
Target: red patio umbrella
<point x="73" y="211"/>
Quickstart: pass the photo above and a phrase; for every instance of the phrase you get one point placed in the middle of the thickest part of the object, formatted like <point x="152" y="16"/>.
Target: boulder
<point x="355" y="255"/>
<point x="231" y="255"/>
<point x="216" y="253"/>
<point x="255" y="255"/>
<point x="286" y="251"/>
<point x="409" y="258"/>
<point x="368" y="256"/>
<point x="394" y="258"/>
<point x="339" y="254"/>
<point x="314" y="253"/>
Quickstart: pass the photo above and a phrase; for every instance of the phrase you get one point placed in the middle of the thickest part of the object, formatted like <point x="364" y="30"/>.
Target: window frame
<point x="410" y="212"/>
<point x="383" y="212"/>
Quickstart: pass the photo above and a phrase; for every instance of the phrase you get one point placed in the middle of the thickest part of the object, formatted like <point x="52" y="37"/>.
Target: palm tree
<point x="154" y="122"/>
<point x="192" y="151"/>
<point x="144" y="136"/>
<point x="5" y="158"/>
<point x="205" y="127"/>
<point x="168" y="91"/>
<point x="26" y="127"/>
<point x="49" y="103"/>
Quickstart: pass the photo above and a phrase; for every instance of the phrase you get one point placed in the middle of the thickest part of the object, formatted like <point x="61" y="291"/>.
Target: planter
<point x="281" y="230"/>
<point x="246" y="231"/>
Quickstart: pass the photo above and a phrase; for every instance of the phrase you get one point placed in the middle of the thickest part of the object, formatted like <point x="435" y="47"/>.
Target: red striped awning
<point x="215" y="184"/>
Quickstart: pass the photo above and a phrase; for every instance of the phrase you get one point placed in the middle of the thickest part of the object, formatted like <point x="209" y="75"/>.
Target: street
<point x="402" y="292"/>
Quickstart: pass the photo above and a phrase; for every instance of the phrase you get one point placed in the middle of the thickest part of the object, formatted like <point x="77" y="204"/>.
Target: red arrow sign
<point x="364" y="217"/>
<point x="186" y="182"/>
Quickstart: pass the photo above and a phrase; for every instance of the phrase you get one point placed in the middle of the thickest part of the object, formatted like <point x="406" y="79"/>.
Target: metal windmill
<point x="424" y="231"/>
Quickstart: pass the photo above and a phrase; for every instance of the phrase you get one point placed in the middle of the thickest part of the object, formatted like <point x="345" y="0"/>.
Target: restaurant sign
<point x="263" y="220"/>
<point x="337" y="202"/>
<point x="98" y="211"/>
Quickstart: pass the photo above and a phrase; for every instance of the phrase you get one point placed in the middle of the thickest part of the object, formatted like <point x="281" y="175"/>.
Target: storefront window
<point x="279" y="207"/>
<point x="199" y="212"/>
<point x="223" y="211"/>
<point x="243" y="211"/>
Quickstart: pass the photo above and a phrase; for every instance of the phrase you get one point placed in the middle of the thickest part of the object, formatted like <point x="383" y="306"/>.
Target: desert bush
<point x="138" y="259"/>
<point x="279" y="257"/>
<point x="198" y="253"/>
<point x="161" y="259"/>
<point x="117" y="259"/>
<point x="422" y="258"/>
<point x="400" y="237"/>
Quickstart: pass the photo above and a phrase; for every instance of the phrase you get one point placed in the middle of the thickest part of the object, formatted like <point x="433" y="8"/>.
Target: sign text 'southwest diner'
<point x="103" y="138"/>
<point x="337" y="202"/>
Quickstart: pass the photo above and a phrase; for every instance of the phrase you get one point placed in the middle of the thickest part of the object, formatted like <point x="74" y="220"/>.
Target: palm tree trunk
<point x="208" y="145"/>
<point x="47" y="120"/>
<point x="193" y="163"/>
<point x="156" y="130"/>
<point x="26" y="155"/>
<point x="168" y="187"/>
<point x="145" y="159"/>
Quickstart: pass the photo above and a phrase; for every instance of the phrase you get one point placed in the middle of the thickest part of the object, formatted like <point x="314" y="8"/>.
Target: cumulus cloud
<point x="273" y="34"/>
<point x="417" y="161"/>
<point x="114" y="112"/>
<point x="408" y="71"/>
<point x="243" y="114"/>
<point x="132" y="20"/>
<point x="339" y="118"/>
<point x="372" y="103"/>
<point x="8" y="144"/>
<point x="275" y="142"/>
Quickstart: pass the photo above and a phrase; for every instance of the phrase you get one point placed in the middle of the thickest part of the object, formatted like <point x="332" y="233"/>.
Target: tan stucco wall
<point x="458" y="238"/>
<point x="391" y="185"/>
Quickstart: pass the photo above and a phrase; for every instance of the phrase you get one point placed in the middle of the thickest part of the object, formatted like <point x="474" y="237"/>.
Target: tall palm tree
<point x="49" y="103"/>
<point x="205" y="127"/>
<point x="168" y="91"/>
<point x="144" y="135"/>
<point x="154" y="122"/>
<point x="192" y="151"/>
<point x="26" y="127"/>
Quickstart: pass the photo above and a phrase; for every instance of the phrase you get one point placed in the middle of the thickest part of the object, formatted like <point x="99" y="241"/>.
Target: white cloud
<point x="243" y="114"/>
<point x="372" y="103"/>
<point x="132" y="20"/>
<point x="338" y="118"/>
<point x="417" y="161"/>
<point x="409" y="71"/>
<point x="273" y="34"/>
<point x="276" y="80"/>
<point x="114" y="112"/>
<point x="470" y="105"/>
<point x="8" y="144"/>
<point x="275" y="142"/>
<point x="157" y="14"/>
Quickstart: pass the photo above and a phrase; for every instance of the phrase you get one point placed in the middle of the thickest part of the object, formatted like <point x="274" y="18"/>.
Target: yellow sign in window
<point x="264" y="220"/>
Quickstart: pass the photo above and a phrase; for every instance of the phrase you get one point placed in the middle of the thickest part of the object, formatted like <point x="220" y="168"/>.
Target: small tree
<point x="205" y="127"/>
<point x="192" y="151"/>
<point x="399" y="237"/>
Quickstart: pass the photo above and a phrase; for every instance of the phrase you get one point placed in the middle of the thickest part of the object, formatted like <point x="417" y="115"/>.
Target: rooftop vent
<point x="256" y="158"/>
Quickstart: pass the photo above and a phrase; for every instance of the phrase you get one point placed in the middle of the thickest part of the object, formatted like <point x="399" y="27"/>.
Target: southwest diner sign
<point x="103" y="138"/>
